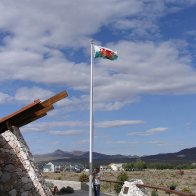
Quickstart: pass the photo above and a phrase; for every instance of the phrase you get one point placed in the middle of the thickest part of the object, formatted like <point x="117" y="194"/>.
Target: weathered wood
<point x="54" y="99"/>
<point x="30" y="113"/>
<point x="44" y="111"/>
<point x="21" y="124"/>
<point x="36" y="102"/>
<point x="167" y="190"/>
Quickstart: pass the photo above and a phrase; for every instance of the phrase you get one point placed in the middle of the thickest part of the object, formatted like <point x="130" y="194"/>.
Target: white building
<point x="116" y="166"/>
<point x="49" y="167"/>
<point x="103" y="167"/>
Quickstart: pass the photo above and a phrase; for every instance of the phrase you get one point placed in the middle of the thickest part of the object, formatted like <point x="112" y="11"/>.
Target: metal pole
<point x="91" y="125"/>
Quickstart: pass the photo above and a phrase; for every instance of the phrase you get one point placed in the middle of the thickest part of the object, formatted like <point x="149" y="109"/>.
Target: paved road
<point x="83" y="193"/>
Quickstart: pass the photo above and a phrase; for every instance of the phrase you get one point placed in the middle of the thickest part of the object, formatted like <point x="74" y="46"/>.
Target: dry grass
<point x="161" y="178"/>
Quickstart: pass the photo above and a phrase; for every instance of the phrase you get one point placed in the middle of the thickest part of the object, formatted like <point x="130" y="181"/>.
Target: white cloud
<point x="120" y="142"/>
<point x="26" y="94"/>
<point x="5" y="98"/>
<point x="47" y="126"/>
<point x="36" y="33"/>
<point x="118" y="123"/>
<point x="43" y="126"/>
<point x="66" y="133"/>
<point x="142" y="68"/>
<point x="83" y="142"/>
<point x="54" y="24"/>
<point x="149" y="132"/>
<point x="158" y="143"/>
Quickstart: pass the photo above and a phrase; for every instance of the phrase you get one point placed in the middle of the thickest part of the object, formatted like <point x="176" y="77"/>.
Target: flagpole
<point x="91" y="126"/>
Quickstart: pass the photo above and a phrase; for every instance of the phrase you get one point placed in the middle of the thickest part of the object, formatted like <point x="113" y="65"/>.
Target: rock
<point x="13" y="192"/>
<point x="9" y="167"/>
<point x="28" y="186"/>
<point x="5" y="177"/>
<point x="18" y="173"/>
<point x="129" y="189"/>
<point x="25" y="193"/>
<point x="25" y="179"/>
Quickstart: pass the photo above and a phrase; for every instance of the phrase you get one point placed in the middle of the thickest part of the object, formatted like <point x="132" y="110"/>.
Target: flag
<point x="104" y="53"/>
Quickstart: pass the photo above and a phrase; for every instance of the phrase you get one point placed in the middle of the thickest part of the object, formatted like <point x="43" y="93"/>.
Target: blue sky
<point x="144" y="102"/>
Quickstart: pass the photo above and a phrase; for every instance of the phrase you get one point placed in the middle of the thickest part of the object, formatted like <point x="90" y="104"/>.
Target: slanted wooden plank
<point x="33" y="117"/>
<point x="18" y="112"/>
<point x="44" y="111"/>
<point x="30" y="113"/>
<point x="54" y="99"/>
<point x="27" y="121"/>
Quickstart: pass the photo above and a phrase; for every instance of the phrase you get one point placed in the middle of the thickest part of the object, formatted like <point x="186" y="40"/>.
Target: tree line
<point x="141" y="165"/>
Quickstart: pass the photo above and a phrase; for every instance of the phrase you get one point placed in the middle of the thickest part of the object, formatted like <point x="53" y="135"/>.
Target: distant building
<point x="49" y="167"/>
<point x="57" y="168"/>
<point x="116" y="166"/>
<point x="103" y="167"/>
<point x="193" y="164"/>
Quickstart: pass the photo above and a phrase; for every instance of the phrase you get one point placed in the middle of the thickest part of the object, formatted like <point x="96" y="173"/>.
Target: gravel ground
<point x="82" y="193"/>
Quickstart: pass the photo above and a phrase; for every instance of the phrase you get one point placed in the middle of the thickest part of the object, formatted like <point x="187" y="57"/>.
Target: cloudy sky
<point x="145" y="102"/>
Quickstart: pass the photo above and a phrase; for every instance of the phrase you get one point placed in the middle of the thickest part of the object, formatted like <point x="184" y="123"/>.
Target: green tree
<point x="140" y="164"/>
<point x="120" y="178"/>
<point x="128" y="166"/>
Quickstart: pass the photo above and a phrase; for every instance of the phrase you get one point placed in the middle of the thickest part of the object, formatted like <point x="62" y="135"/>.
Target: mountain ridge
<point x="188" y="154"/>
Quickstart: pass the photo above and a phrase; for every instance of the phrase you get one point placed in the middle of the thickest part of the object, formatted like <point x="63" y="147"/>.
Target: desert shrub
<point x="194" y="184"/>
<point x="58" y="178"/>
<point x="49" y="184"/>
<point x="105" y="187"/>
<point x="83" y="177"/>
<point x="173" y="175"/>
<point x="172" y="186"/>
<point x="121" y="178"/>
<point x="162" y="183"/>
<point x="186" y="190"/>
<point x="154" y="193"/>
<point x="66" y="190"/>
<point x="180" y="172"/>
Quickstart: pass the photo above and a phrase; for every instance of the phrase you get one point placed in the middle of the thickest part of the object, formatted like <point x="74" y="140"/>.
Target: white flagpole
<point x="91" y="125"/>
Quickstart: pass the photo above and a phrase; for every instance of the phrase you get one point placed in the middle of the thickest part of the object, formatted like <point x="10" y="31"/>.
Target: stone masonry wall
<point x="18" y="173"/>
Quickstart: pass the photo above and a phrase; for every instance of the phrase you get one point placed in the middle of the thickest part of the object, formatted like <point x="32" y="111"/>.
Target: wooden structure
<point x="156" y="188"/>
<point x="166" y="190"/>
<point x="30" y="113"/>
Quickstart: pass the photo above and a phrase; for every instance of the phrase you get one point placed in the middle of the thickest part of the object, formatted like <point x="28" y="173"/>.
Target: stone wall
<point x="18" y="174"/>
<point x="64" y="183"/>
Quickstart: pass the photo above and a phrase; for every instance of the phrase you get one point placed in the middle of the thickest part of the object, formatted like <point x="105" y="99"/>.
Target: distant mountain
<point x="185" y="155"/>
<point x="59" y="155"/>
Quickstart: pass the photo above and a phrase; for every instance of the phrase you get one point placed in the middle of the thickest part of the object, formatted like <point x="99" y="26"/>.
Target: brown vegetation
<point x="164" y="178"/>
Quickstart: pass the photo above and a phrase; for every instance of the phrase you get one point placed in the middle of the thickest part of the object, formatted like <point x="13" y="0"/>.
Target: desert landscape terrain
<point x="185" y="181"/>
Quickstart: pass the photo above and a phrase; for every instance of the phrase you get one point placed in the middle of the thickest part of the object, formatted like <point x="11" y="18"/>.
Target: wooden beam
<point x="30" y="120"/>
<point x="36" y="102"/>
<point x="165" y="189"/>
<point x="54" y="99"/>
<point x="30" y="113"/>
<point x="44" y="111"/>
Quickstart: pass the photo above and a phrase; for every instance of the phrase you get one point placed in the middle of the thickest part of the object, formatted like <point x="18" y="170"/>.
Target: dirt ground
<point x="163" y="178"/>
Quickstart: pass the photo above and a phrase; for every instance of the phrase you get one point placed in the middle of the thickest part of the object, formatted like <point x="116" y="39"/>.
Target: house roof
<point x="30" y="113"/>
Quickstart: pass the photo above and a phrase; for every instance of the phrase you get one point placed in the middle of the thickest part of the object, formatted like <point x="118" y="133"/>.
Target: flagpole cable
<point x="91" y="126"/>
